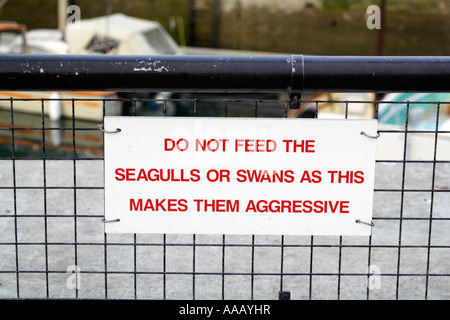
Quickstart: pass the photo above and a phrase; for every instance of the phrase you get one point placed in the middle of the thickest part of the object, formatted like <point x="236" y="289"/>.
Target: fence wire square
<point x="53" y="245"/>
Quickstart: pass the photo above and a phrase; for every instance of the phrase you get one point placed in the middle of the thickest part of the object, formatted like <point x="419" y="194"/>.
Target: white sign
<point x="239" y="176"/>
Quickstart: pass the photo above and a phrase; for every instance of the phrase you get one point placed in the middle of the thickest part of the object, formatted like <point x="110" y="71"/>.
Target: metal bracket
<point x="365" y="222"/>
<point x="102" y="128"/>
<point x="370" y="136"/>
<point x="108" y="221"/>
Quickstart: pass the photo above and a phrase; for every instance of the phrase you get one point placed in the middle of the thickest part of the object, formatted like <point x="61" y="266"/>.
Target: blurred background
<point x="315" y="27"/>
<point x="149" y="27"/>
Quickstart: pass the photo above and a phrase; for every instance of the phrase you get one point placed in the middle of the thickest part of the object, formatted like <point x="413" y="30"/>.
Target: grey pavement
<point x="157" y="266"/>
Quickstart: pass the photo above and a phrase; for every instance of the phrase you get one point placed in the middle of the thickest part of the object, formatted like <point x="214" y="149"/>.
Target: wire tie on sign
<point x="112" y="220"/>
<point x="364" y="222"/>
<point x="370" y="136"/>
<point x="102" y="128"/>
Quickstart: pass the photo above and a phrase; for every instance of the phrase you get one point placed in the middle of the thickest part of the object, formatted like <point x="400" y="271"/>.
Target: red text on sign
<point x="132" y="174"/>
<point x="158" y="205"/>
<point x="217" y="205"/>
<point x="298" y="206"/>
<point x="265" y="176"/>
<point x="180" y="144"/>
<point x="346" y="176"/>
<point x="306" y="146"/>
<point x="257" y="145"/>
<point x="210" y="145"/>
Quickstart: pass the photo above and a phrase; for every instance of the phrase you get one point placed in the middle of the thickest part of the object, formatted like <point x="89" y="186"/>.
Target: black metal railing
<point x="289" y="73"/>
<point x="52" y="240"/>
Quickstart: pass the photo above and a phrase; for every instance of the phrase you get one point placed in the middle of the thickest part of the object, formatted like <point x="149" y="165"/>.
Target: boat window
<point x="12" y="41"/>
<point x="158" y="41"/>
<point x="100" y="44"/>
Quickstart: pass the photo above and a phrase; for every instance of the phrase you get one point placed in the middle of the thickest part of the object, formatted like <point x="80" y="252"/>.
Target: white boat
<point x="119" y="34"/>
<point x="113" y="34"/>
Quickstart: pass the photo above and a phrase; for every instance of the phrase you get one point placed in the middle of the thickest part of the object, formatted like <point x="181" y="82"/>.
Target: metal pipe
<point x="278" y="73"/>
<point x="376" y="74"/>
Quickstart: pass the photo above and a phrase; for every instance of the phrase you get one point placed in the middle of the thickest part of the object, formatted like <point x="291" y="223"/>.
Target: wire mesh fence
<point x="53" y="245"/>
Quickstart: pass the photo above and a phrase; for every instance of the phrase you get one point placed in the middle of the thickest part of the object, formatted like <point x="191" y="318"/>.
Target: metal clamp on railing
<point x="295" y="101"/>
